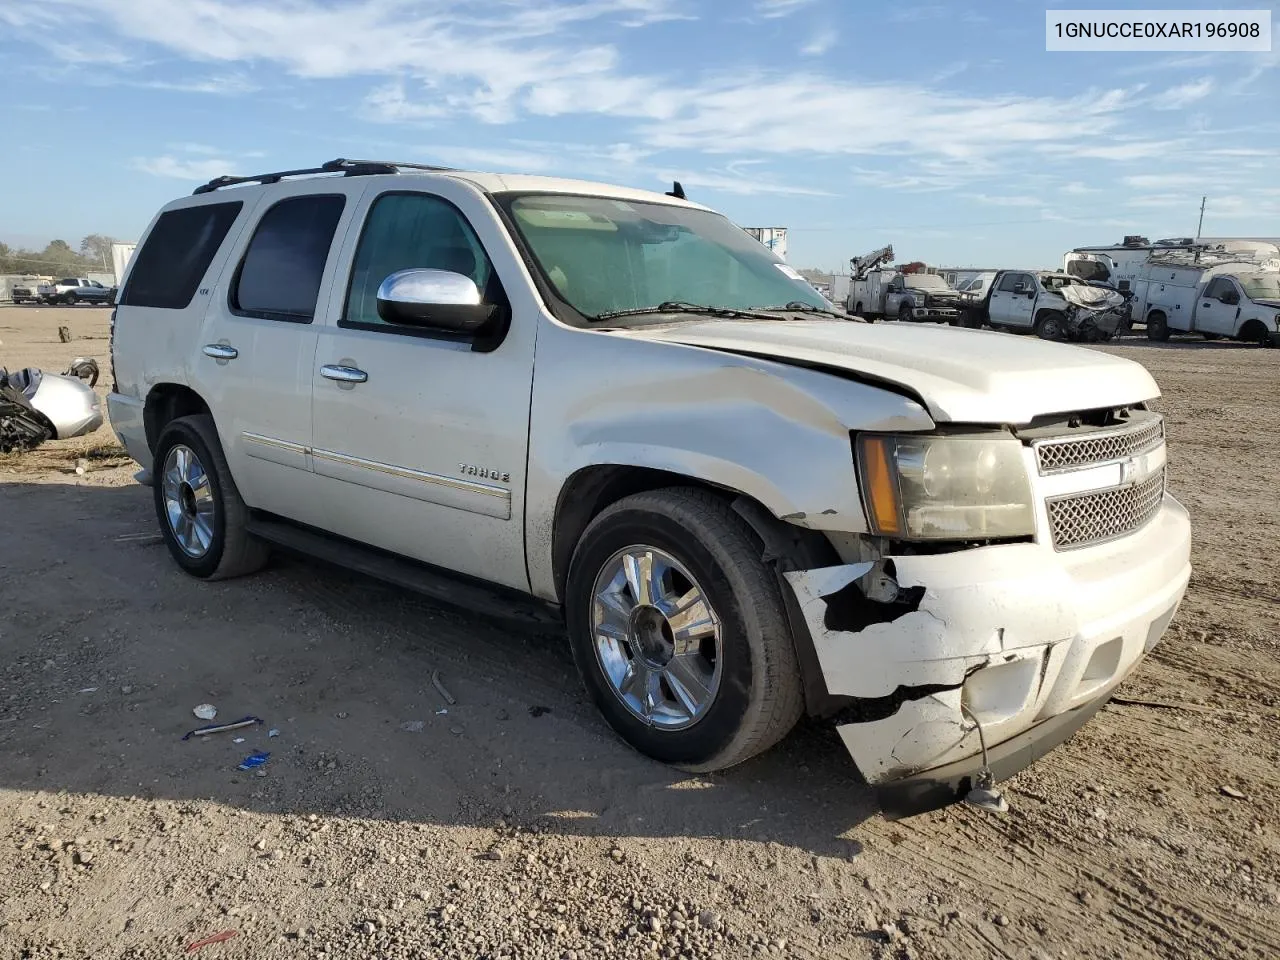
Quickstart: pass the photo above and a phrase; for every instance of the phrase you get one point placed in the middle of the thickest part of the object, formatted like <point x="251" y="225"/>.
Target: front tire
<point x="679" y="631"/>
<point x="202" y="518"/>
<point x="1051" y="325"/>
<point x="1256" y="333"/>
<point x="904" y="314"/>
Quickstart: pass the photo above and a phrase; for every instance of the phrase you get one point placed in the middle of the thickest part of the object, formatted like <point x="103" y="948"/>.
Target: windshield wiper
<point x="799" y="306"/>
<point x="680" y="306"/>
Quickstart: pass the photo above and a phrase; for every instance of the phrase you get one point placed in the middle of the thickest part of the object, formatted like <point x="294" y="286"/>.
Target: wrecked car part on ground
<point x="36" y="406"/>
<point x="938" y="538"/>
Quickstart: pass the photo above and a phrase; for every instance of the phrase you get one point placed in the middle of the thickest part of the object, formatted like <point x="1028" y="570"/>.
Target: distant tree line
<point x="94" y="256"/>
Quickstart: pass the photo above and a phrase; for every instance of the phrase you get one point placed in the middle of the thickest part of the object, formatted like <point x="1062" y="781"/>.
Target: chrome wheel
<point x="188" y="501"/>
<point x="657" y="637"/>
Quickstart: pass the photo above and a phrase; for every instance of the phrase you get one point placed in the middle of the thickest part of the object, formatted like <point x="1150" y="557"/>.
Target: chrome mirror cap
<point x="428" y="287"/>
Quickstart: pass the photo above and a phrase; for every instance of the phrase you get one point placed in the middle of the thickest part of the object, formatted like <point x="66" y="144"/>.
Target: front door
<point x="1218" y="307"/>
<point x="258" y="345"/>
<point x="420" y="438"/>
<point x="1013" y="300"/>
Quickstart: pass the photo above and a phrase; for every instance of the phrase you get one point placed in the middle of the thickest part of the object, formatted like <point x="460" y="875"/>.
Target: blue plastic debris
<point x="253" y="760"/>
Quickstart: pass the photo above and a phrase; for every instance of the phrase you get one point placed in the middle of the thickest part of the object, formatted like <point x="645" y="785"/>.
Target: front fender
<point x="776" y="433"/>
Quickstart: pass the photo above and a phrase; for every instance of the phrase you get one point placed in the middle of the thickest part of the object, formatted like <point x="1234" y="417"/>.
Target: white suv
<point x="745" y="505"/>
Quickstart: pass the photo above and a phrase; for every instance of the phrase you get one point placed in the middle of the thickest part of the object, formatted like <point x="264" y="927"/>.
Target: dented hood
<point x="963" y="376"/>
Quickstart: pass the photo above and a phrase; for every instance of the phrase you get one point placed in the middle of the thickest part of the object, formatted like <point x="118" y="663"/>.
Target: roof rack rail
<point x="348" y="168"/>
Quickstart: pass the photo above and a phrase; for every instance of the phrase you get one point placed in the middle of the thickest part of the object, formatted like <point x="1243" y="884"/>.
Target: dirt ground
<point x="515" y="825"/>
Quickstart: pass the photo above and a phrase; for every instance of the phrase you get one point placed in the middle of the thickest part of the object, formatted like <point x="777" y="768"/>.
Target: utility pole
<point x="1200" y="225"/>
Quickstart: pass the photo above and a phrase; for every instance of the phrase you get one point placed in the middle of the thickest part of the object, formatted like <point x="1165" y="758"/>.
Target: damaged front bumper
<point x="1026" y="641"/>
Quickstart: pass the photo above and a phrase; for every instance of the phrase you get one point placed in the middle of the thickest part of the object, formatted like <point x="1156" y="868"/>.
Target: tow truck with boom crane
<point x="905" y="292"/>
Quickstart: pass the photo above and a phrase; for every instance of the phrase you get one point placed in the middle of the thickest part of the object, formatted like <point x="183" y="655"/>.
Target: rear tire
<point x="752" y="696"/>
<point x="70" y="299"/>
<point x="202" y="518"/>
<point x="1157" y="327"/>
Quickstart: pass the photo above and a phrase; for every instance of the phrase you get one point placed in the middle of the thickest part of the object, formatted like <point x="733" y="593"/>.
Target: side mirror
<point x="435" y="299"/>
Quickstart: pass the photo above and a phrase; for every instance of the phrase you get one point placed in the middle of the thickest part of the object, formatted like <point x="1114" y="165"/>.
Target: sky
<point x="946" y="129"/>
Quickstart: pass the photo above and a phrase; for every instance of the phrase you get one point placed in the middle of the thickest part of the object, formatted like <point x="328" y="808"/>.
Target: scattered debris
<point x="222" y="937"/>
<point x="206" y="711"/>
<point x="342" y="715"/>
<point x="83" y="368"/>
<point x="442" y="711"/>
<point x="538" y="711"/>
<point x="1231" y="792"/>
<point x="82" y="467"/>
<point x="64" y="334"/>
<point x="457" y="731"/>
<point x="89" y="690"/>
<point x="238" y="740"/>
<point x="435" y="682"/>
<point x="273" y="732"/>
<point x="222" y="727"/>
<point x="253" y="760"/>
<point x="413" y="726"/>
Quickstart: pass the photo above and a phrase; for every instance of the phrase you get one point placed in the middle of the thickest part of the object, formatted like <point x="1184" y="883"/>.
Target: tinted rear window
<point x="279" y="278"/>
<point x="173" y="261"/>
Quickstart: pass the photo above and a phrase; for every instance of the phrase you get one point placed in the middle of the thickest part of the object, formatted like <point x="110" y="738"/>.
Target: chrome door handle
<point x="334" y="371"/>
<point x="221" y="351"/>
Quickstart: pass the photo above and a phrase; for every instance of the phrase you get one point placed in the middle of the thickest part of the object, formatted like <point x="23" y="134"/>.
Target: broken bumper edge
<point x="942" y="786"/>
<point x="126" y="415"/>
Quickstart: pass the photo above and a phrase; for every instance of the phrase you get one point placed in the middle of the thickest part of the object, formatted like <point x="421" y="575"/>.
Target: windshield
<point x="1057" y="282"/>
<point x="926" y="281"/>
<point x="605" y="255"/>
<point x="1261" y="286"/>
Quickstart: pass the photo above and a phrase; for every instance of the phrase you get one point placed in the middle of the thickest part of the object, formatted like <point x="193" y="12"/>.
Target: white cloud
<point x="773" y="9"/>
<point x="1158" y="181"/>
<point x="1117" y="150"/>
<point x="1077" y="188"/>
<point x="1007" y="201"/>
<point x="432" y="59"/>
<point x="1184" y="94"/>
<point x="183" y="169"/>
<point x="821" y="42"/>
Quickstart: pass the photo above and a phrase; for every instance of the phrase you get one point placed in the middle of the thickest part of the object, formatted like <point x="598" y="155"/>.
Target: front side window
<point x="1011" y="280"/>
<point x="280" y="275"/>
<point x="69" y="282"/>
<point x="1217" y="287"/>
<point x="605" y="256"/>
<point x="407" y="231"/>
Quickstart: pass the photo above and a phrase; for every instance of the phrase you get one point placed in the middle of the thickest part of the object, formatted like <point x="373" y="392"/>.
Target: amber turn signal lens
<point x="881" y="490"/>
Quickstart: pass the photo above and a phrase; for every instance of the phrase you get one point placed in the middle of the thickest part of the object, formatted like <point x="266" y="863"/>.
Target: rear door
<point x="257" y="349"/>
<point x="426" y="454"/>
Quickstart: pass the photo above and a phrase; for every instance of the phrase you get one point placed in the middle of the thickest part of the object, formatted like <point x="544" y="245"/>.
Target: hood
<point x="962" y="376"/>
<point x="1091" y="298"/>
<point x="1267" y="302"/>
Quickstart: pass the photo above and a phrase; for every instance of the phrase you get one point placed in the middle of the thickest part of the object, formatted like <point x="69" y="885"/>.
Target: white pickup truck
<point x="1234" y="301"/>
<point x="617" y="405"/>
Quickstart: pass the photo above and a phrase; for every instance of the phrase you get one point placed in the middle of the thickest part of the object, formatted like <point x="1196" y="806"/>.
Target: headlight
<point x="945" y="487"/>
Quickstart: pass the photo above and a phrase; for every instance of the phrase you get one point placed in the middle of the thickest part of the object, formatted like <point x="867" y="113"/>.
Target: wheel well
<point x="166" y="402"/>
<point x="1252" y="328"/>
<point x="1156" y="314"/>
<point x="591" y="490"/>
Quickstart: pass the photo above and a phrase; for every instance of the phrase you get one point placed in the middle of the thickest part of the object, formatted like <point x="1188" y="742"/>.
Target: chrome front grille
<point x="1054" y="456"/>
<point x="1082" y="519"/>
